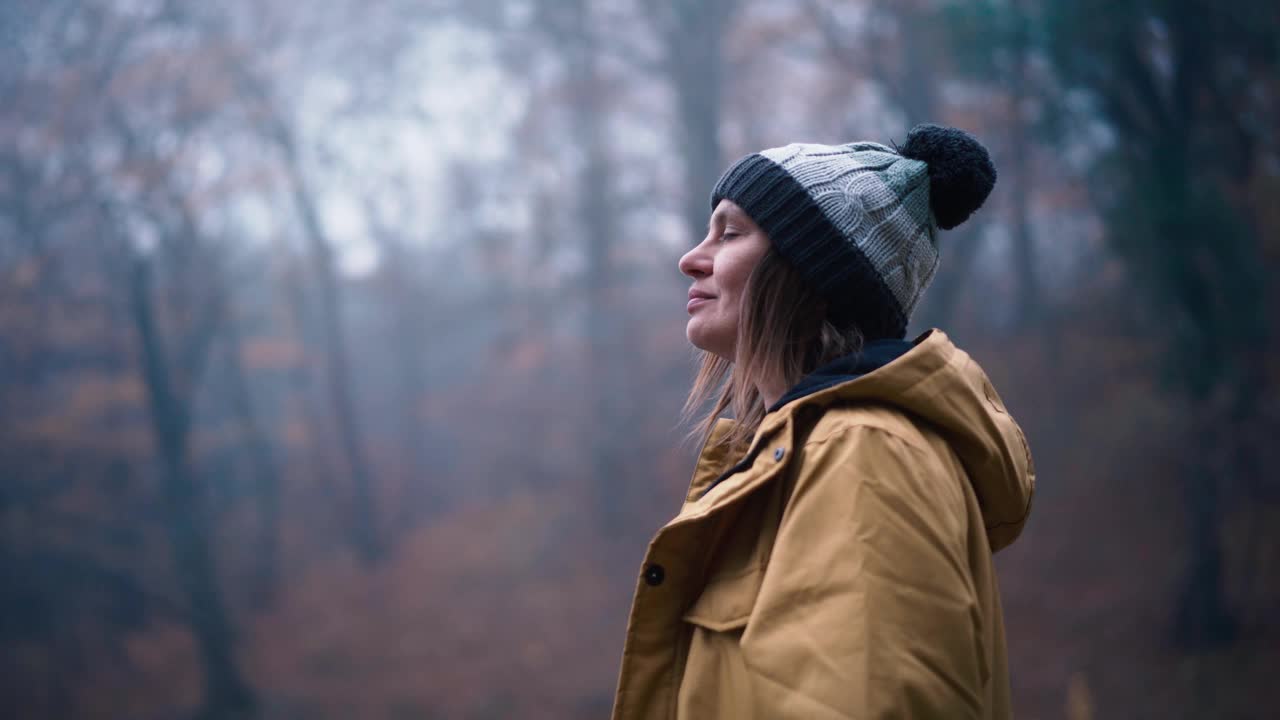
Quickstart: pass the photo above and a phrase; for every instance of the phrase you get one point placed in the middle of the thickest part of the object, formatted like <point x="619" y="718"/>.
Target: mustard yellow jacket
<point x="844" y="569"/>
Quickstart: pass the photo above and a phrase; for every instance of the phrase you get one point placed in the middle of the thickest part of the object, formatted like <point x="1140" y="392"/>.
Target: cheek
<point x="737" y="269"/>
<point x="731" y="289"/>
<point x="724" y="322"/>
<point x="732" y="292"/>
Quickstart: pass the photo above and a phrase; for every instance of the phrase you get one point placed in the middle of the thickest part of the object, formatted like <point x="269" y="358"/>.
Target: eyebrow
<point x="723" y="216"/>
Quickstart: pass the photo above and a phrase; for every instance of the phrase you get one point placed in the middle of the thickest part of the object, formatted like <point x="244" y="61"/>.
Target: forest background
<point x="342" y="350"/>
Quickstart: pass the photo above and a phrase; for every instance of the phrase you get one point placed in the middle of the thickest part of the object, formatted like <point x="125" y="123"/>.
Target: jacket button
<point x="654" y="575"/>
<point x="777" y="454"/>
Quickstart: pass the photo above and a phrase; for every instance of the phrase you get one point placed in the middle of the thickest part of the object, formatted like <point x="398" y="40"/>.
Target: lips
<point x="698" y="298"/>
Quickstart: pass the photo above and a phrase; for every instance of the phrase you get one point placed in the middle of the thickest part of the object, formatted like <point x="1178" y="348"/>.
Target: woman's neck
<point x="771" y="390"/>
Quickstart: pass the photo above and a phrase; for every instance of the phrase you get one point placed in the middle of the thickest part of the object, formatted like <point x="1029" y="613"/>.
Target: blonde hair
<point x="783" y="334"/>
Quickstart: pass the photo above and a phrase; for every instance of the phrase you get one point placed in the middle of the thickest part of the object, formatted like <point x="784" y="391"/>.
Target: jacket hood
<point x="933" y="380"/>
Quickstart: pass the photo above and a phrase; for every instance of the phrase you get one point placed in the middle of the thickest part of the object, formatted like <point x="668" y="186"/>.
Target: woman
<point x="833" y="555"/>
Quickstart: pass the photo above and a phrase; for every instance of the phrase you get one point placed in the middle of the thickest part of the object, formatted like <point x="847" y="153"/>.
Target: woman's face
<point x="719" y="267"/>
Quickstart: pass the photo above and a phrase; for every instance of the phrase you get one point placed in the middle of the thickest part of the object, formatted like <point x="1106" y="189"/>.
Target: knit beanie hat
<point x="859" y="221"/>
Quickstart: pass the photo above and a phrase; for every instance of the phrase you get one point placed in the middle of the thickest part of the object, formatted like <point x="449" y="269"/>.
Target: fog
<point x="342" y="343"/>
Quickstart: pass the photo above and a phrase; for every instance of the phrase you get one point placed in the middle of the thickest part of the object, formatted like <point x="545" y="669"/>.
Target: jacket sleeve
<point x="867" y="608"/>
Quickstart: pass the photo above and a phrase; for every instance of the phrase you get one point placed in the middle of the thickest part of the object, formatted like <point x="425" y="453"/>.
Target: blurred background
<point x="342" y="342"/>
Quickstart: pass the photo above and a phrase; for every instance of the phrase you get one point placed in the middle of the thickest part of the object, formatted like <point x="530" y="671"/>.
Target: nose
<point x="697" y="262"/>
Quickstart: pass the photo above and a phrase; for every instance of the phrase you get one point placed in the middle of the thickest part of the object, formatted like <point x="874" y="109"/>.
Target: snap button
<point x="654" y="575"/>
<point x="777" y="454"/>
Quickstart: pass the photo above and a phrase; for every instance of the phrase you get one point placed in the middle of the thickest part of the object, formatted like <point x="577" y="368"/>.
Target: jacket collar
<point x="873" y="356"/>
<point x="769" y="453"/>
<point x="933" y="381"/>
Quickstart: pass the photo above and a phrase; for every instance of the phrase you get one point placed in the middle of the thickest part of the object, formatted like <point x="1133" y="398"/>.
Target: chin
<point x="696" y="334"/>
<point x="700" y="338"/>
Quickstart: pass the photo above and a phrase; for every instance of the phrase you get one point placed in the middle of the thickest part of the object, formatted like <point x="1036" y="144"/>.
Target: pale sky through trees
<point x="342" y="344"/>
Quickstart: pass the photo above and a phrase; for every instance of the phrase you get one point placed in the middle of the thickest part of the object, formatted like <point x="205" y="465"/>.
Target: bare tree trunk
<point x="605" y="321"/>
<point x="906" y="73"/>
<point x="350" y="435"/>
<point x="364" y="534"/>
<point x="319" y="455"/>
<point x="693" y="33"/>
<point x="1203" y="618"/>
<point x="410" y="342"/>
<point x="916" y="90"/>
<point x="226" y="693"/>
<point x="1024" y="261"/>
<point x="265" y="469"/>
<point x="1259" y="489"/>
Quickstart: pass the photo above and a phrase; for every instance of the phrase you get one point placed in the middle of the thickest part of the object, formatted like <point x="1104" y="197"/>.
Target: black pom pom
<point x="960" y="171"/>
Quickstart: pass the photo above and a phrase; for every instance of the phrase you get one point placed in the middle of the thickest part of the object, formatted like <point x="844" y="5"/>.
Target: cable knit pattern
<point x="854" y="219"/>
